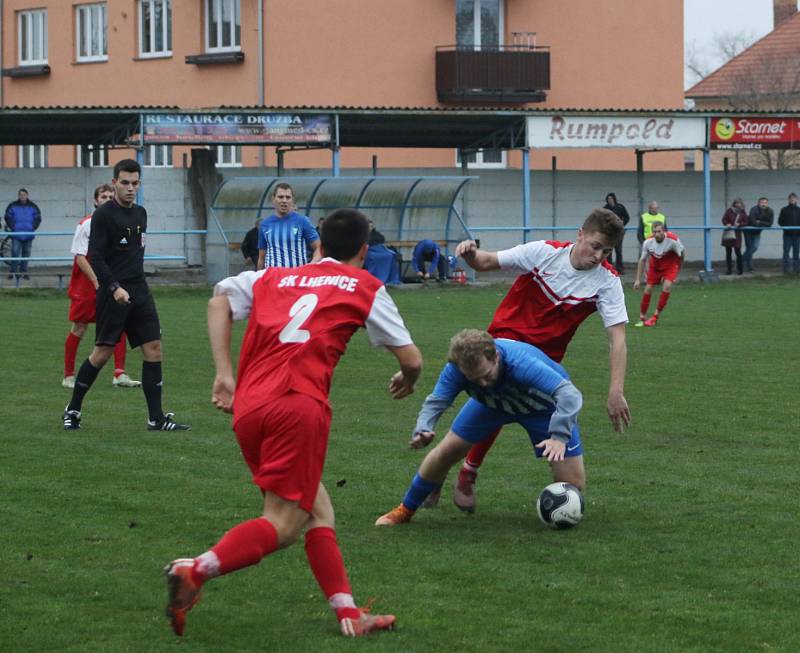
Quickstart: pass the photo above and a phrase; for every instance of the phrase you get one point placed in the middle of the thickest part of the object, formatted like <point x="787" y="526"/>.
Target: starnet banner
<point x="653" y="132"/>
<point x="755" y="133"/>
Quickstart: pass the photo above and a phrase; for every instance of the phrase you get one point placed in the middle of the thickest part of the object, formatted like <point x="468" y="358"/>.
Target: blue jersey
<point x="526" y="385"/>
<point x="284" y="240"/>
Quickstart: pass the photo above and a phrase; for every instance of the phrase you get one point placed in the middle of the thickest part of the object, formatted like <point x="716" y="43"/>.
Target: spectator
<point x="375" y="236"/>
<point x="761" y="215"/>
<point x="647" y="219"/>
<point x="734" y="218"/>
<point x="249" y="245"/>
<point x="622" y="213"/>
<point x="284" y="236"/>
<point x="427" y="251"/>
<point x="790" y="217"/>
<point x="22" y="216"/>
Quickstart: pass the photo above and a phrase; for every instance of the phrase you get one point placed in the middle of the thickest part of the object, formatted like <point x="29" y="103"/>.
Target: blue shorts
<point x="476" y="421"/>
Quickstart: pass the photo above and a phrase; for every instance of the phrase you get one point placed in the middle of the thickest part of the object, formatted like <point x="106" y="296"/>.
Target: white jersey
<point x="550" y="298"/>
<point x="670" y="245"/>
<point x="80" y="241"/>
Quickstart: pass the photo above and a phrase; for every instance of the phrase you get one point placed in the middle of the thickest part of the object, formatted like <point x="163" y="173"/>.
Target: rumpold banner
<point x="748" y="133"/>
<point x="647" y="132"/>
<point x="239" y="128"/>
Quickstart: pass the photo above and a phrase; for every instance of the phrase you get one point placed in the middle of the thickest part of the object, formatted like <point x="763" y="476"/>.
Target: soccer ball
<point x="560" y="505"/>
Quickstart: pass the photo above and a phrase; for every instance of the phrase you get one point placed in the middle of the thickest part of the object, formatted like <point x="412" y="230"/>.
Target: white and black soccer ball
<point x="560" y="505"/>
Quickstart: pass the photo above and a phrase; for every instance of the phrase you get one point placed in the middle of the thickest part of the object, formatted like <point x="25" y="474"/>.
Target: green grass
<point x="687" y="545"/>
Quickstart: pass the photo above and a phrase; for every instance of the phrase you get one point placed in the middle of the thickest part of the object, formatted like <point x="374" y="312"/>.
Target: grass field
<point x="686" y="545"/>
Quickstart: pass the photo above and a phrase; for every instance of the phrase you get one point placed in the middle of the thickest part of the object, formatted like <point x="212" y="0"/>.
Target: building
<point x="764" y="78"/>
<point x="618" y="54"/>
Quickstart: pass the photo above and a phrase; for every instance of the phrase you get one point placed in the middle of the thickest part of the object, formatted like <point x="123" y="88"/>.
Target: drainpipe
<point x="261" y="151"/>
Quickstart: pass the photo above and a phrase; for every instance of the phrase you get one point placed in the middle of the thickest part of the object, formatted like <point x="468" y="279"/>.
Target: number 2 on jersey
<point x="299" y="313"/>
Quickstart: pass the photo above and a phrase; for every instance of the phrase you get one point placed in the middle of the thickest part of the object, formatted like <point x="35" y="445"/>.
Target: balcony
<point x="506" y="73"/>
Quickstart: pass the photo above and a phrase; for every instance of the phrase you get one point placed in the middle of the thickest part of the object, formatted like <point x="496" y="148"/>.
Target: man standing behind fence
<point x="284" y="236"/>
<point x="790" y="217"/>
<point x="22" y="215"/>
<point x="761" y="215"/>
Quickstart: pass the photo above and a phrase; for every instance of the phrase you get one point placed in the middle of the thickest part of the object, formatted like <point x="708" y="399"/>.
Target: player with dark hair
<point x="82" y="292"/>
<point x="301" y="320"/>
<point x="508" y="382"/>
<point x="285" y="237"/>
<point x="560" y="285"/>
<point x="124" y="303"/>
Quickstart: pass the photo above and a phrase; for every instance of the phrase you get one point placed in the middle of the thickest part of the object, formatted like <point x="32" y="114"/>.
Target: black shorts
<point x="139" y="318"/>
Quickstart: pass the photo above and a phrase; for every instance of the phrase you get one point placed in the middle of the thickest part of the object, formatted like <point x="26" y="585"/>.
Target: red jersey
<point x="551" y="298"/>
<point x="79" y="284"/>
<point x="300" y="321"/>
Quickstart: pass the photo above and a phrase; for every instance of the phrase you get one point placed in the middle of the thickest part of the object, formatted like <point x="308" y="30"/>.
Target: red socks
<point x="326" y="562"/>
<point x="70" y="353"/>
<point x="662" y="301"/>
<point x="244" y="545"/>
<point x="119" y="356"/>
<point x="478" y="452"/>
<point x="645" y="304"/>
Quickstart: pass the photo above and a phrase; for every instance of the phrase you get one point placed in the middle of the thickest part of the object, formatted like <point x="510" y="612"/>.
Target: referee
<point x="124" y="302"/>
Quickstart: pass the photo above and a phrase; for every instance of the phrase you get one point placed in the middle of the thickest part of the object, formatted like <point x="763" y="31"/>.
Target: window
<point x="91" y="27"/>
<point x="90" y="156"/>
<point x="158" y="156"/>
<point x="484" y="159"/>
<point x="229" y="156"/>
<point x="223" y="25"/>
<point x="32" y="37"/>
<point x="32" y="156"/>
<point x="479" y="23"/>
<point x="155" y="28"/>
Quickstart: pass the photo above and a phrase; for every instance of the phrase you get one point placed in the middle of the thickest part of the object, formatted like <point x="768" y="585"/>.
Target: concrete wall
<point x="64" y="196"/>
<point x="493" y="200"/>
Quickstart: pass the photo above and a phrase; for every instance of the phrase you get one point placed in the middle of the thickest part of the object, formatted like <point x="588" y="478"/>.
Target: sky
<point x="705" y="18"/>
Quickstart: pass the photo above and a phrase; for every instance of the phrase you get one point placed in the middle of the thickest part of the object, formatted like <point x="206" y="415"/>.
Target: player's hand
<point x="222" y="393"/>
<point x="636" y="284"/>
<point x="618" y="412"/>
<point x="399" y="387"/>
<point x="466" y="249"/>
<point x="421" y="439"/>
<point x="552" y="450"/>
<point x="121" y="296"/>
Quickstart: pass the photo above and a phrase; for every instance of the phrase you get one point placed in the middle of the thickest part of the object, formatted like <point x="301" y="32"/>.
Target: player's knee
<point x="100" y="355"/>
<point x="78" y="329"/>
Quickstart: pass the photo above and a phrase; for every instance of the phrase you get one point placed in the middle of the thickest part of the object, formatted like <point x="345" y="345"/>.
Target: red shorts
<point x="83" y="309"/>
<point x="284" y="443"/>
<point x="664" y="272"/>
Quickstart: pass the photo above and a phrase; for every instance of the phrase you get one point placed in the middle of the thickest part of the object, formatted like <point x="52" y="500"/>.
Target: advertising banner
<point x="238" y="128"/>
<point x="645" y="132"/>
<point x="748" y="133"/>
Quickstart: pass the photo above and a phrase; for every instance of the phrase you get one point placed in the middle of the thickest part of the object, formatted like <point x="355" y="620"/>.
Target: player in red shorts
<point x="665" y="251"/>
<point x="300" y="321"/>
<point x="82" y="293"/>
<point x="560" y="285"/>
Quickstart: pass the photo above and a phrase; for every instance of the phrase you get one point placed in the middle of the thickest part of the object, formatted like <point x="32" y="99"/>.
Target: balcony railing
<point x="506" y="73"/>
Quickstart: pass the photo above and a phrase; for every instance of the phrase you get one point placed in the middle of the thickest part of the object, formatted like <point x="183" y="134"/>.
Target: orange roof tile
<point x="770" y="64"/>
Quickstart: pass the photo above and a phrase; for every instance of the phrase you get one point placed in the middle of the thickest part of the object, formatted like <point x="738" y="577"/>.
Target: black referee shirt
<point x="116" y="243"/>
